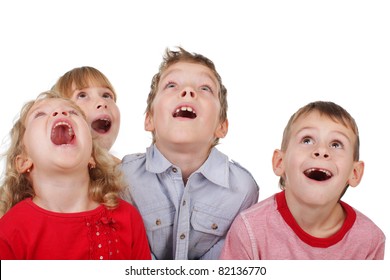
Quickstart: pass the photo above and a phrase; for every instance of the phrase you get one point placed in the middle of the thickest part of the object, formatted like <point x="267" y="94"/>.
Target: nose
<point x="60" y="112"/>
<point x="102" y="104"/>
<point x="321" y="152"/>
<point x="188" y="91"/>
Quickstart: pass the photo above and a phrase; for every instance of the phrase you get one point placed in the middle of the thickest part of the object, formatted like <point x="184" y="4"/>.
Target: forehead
<point x="315" y="119"/>
<point x="182" y="67"/>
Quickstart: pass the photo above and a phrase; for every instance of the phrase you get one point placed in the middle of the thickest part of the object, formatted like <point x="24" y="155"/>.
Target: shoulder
<point x="131" y="158"/>
<point x="133" y="165"/>
<point x="237" y="168"/>
<point x="126" y="207"/>
<point x="260" y="209"/>
<point x="16" y="216"/>
<point x="257" y="217"/>
<point x="367" y="226"/>
<point x="20" y="210"/>
<point x="241" y="177"/>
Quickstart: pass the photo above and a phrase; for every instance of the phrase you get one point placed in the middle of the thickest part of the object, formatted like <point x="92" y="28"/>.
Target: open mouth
<point x="184" y="112"/>
<point x="101" y="125"/>
<point x="62" y="133"/>
<point x="318" y="174"/>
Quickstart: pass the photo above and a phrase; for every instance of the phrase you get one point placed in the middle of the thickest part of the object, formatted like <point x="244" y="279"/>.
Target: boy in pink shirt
<point x="318" y="160"/>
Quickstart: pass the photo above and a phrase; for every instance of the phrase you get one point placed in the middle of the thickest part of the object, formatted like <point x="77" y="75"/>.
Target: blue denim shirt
<point x="187" y="221"/>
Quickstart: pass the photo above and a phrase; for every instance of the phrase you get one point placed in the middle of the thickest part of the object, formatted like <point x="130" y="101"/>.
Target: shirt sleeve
<point x="140" y="250"/>
<point x="238" y="245"/>
<point x="6" y="252"/>
<point x="378" y="252"/>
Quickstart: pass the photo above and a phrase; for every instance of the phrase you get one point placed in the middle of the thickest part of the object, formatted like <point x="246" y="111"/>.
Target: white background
<point x="273" y="56"/>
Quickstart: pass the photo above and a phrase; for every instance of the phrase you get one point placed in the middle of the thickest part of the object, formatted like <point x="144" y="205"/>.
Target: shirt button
<point x="182" y="236"/>
<point x="214" y="226"/>
<point x="158" y="222"/>
<point x="184" y="203"/>
<point x="174" y="169"/>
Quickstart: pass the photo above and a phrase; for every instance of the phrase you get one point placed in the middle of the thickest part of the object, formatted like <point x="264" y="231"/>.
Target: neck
<point x="188" y="159"/>
<point x="318" y="221"/>
<point x="64" y="193"/>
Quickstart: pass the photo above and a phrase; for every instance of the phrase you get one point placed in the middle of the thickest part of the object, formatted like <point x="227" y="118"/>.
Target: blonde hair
<point x="328" y="109"/>
<point x="79" y="78"/>
<point x="105" y="179"/>
<point x="172" y="57"/>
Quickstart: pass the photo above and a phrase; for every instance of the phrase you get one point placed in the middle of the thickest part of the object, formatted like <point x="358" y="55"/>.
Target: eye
<point x="73" y="112"/>
<point x="307" y="141"/>
<point x="39" y="114"/>
<point x="336" y="145"/>
<point x="206" y="88"/>
<point x="170" y="85"/>
<point x="108" y="95"/>
<point x="81" y="95"/>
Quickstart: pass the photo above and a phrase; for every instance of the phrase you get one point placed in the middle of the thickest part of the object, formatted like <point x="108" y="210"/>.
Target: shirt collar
<point x="215" y="168"/>
<point x="155" y="161"/>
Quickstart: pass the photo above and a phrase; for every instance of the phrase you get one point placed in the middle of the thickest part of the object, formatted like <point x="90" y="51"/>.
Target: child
<point x="94" y="94"/>
<point x="187" y="191"/>
<point x="60" y="191"/>
<point x="318" y="160"/>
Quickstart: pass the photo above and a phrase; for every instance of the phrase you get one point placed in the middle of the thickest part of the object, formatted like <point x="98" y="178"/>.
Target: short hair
<point x="172" y="57"/>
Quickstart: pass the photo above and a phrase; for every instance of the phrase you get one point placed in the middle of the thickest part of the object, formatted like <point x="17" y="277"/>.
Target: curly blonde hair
<point x="105" y="179"/>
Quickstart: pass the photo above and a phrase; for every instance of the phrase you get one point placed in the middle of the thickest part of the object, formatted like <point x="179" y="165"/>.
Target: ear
<point x="222" y="129"/>
<point x="149" y="124"/>
<point x="277" y="162"/>
<point x="23" y="164"/>
<point x="356" y="174"/>
<point x="91" y="163"/>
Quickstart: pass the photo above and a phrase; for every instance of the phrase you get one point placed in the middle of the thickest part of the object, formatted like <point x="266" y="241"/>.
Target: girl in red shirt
<point x="60" y="193"/>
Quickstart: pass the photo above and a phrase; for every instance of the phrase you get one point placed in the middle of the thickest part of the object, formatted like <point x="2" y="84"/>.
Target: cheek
<point x="115" y="111"/>
<point x="291" y="163"/>
<point x="32" y="142"/>
<point x="83" y="106"/>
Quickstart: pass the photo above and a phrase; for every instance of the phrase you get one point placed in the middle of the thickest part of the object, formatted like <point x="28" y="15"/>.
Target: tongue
<point x="60" y="135"/>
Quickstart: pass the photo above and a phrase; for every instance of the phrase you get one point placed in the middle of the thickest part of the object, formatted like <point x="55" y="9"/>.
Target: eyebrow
<point x="68" y="106"/>
<point x="203" y="73"/>
<point x="333" y="131"/>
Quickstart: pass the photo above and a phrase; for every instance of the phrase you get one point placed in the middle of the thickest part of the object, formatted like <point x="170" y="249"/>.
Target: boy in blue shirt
<point x="187" y="191"/>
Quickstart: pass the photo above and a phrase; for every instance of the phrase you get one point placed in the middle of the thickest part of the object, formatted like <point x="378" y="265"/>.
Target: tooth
<point x="189" y="109"/>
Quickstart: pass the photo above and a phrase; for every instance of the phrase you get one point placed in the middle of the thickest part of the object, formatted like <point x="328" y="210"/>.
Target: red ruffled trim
<point x="103" y="236"/>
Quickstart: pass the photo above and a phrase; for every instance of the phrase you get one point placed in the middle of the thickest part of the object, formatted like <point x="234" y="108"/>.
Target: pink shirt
<point x="268" y="231"/>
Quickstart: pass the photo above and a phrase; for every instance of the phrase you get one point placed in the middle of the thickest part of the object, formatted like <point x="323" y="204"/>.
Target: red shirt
<point x="30" y="232"/>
